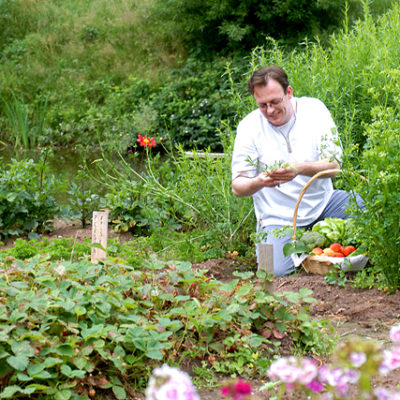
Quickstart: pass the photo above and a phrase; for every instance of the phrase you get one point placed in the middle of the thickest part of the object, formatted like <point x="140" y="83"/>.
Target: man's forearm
<point x="243" y="186"/>
<point x="313" y="167"/>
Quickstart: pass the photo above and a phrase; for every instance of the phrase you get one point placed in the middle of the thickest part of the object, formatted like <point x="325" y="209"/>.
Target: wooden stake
<point x="99" y="235"/>
<point x="266" y="263"/>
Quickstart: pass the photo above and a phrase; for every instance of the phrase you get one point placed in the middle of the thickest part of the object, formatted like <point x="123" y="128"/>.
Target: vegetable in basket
<point x="322" y="235"/>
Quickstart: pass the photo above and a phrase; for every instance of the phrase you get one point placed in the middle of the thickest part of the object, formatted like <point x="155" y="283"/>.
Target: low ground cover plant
<point x="73" y="330"/>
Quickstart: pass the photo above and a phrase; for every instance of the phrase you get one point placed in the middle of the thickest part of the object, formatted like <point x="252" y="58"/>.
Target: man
<point x="278" y="147"/>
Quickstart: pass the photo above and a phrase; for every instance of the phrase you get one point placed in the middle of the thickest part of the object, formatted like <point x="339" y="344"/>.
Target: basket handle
<point x="314" y="177"/>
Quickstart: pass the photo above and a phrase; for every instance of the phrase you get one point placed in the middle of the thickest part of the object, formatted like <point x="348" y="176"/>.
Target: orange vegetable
<point x="317" y="251"/>
<point x="329" y="252"/>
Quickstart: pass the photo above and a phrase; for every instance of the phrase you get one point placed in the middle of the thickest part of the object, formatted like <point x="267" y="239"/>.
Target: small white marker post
<point x="266" y="263"/>
<point x="99" y="235"/>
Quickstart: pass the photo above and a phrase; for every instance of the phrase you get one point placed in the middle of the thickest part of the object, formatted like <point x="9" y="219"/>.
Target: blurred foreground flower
<point x="355" y="364"/>
<point x="167" y="383"/>
<point x="145" y="141"/>
<point x="237" y="389"/>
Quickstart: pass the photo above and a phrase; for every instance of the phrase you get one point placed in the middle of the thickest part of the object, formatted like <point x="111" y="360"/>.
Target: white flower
<point x="167" y="383"/>
<point x="60" y="269"/>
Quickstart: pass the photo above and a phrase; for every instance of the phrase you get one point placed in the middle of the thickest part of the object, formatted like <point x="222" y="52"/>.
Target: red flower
<point x="145" y="141"/>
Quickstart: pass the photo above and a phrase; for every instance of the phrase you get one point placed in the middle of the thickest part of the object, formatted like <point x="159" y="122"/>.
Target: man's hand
<point x="282" y="175"/>
<point x="243" y="186"/>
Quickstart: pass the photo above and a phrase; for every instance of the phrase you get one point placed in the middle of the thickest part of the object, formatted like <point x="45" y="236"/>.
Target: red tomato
<point x="335" y="247"/>
<point x="348" y="250"/>
<point x="338" y="254"/>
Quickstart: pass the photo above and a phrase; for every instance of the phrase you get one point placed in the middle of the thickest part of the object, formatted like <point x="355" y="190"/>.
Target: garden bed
<point x="366" y="313"/>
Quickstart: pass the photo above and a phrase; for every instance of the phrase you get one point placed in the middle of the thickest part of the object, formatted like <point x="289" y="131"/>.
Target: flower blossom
<point x="167" y="383"/>
<point x="391" y="360"/>
<point x="384" y="394"/>
<point x="357" y="359"/>
<point x="238" y="390"/>
<point x="145" y="141"/>
<point x="290" y="370"/>
<point x="394" y="334"/>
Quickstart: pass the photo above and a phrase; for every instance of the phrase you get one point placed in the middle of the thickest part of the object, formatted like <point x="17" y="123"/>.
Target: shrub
<point x="380" y="224"/>
<point x="27" y="197"/>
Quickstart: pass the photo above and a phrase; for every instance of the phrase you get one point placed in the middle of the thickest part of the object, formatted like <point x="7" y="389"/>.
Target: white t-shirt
<point x="311" y="136"/>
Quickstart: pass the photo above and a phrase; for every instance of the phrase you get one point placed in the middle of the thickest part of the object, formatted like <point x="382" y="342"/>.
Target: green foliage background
<point x="152" y="67"/>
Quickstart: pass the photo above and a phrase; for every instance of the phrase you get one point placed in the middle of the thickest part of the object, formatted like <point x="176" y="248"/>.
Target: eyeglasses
<point x="272" y="104"/>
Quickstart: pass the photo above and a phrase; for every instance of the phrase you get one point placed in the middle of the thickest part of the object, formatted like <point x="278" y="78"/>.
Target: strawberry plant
<point x="78" y="330"/>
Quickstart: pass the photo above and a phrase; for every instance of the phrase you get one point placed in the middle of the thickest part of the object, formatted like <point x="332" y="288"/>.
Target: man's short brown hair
<point x="262" y="76"/>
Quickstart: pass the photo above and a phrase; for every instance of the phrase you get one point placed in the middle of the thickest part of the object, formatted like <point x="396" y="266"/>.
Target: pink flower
<point x="242" y="387"/>
<point x="307" y="371"/>
<point x="237" y="390"/>
<point x="391" y="360"/>
<point x="225" y="391"/>
<point x="168" y="383"/>
<point x="394" y="334"/>
<point x="358" y="359"/>
<point x="315" y="386"/>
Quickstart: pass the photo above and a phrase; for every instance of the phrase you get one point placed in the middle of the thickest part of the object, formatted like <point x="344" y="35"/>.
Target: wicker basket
<point x="317" y="265"/>
<point x="322" y="264"/>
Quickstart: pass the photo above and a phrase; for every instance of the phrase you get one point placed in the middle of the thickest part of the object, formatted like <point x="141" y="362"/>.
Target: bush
<point x="206" y="26"/>
<point x="380" y="224"/>
<point x="27" y="197"/>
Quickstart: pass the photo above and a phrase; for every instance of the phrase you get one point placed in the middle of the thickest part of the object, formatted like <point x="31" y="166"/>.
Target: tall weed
<point x="357" y="60"/>
<point x="184" y="193"/>
<point x="25" y="128"/>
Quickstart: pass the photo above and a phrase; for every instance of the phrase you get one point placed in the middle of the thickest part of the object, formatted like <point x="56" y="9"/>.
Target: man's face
<point x="274" y="103"/>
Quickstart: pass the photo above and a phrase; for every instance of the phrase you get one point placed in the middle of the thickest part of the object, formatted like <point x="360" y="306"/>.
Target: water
<point x="64" y="164"/>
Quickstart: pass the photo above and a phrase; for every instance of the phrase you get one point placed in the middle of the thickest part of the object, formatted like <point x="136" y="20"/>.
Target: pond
<point x="65" y="163"/>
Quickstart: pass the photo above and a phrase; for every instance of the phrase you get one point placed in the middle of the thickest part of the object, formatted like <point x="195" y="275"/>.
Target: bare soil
<point x="352" y="312"/>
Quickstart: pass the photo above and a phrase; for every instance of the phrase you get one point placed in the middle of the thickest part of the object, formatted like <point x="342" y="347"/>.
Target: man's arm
<point x="244" y="186"/>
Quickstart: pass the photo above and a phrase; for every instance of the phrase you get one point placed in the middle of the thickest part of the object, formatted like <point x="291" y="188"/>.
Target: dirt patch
<point x="352" y="312"/>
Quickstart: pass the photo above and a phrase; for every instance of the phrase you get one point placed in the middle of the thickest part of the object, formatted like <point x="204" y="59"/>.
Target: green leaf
<point x="19" y="362"/>
<point x="119" y="392"/>
<point x="79" y="310"/>
<point x="295" y="247"/>
<point x="65" y="350"/>
<point x="68" y="371"/>
<point x="94" y="332"/>
<point x="63" y="395"/>
<point x="9" y="391"/>
<point x="244" y="290"/>
<point x="229" y="287"/>
<point x="51" y="361"/>
<point x="34" y="369"/>
<point x="23" y="377"/>
<point x="23" y="348"/>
